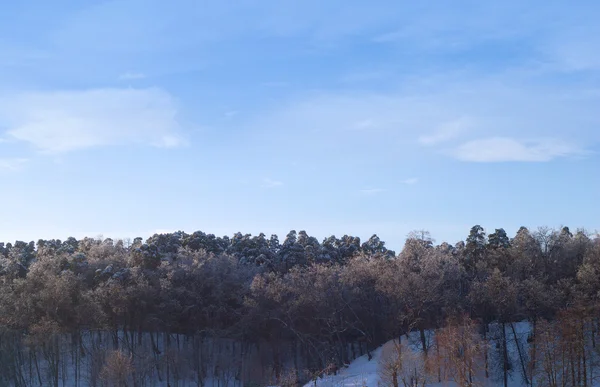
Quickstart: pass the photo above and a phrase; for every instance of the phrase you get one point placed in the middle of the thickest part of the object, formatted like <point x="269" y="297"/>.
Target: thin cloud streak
<point x="446" y="131"/>
<point x="13" y="164"/>
<point x="270" y="183"/>
<point x="411" y="181"/>
<point x="131" y="76"/>
<point x="502" y="149"/>
<point x="62" y="121"/>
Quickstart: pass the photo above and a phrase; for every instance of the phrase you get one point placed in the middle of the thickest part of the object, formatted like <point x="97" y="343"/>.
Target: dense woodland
<point x="250" y="310"/>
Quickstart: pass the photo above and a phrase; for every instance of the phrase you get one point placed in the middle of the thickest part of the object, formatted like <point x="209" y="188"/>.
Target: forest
<point x="195" y="309"/>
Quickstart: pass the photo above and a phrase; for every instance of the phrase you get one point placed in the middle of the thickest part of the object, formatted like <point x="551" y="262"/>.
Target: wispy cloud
<point x="55" y="122"/>
<point x="446" y="131"/>
<point x="372" y="191"/>
<point x="503" y="149"/>
<point x="131" y="76"/>
<point x="332" y="114"/>
<point x="12" y="164"/>
<point x="270" y="183"/>
<point x="365" y="124"/>
<point x="439" y="117"/>
<point x="410" y="181"/>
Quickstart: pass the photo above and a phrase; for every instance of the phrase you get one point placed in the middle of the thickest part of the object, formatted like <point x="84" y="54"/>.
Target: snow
<point x="363" y="372"/>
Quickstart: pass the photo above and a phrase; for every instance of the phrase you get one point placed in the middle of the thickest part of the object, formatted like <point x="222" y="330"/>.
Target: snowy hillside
<point x="366" y="373"/>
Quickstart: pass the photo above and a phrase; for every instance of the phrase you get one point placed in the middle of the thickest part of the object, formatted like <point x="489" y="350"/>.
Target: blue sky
<point x="123" y="118"/>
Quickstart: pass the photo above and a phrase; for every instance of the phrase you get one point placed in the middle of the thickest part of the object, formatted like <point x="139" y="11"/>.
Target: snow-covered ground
<point x="363" y="372"/>
<point x="221" y="359"/>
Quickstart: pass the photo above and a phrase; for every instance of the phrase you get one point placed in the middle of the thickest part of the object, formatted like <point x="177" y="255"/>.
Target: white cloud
<point x="270" y="183"/>
<point x="411" y="181"/>
<point x="437" y="112"/>
<point x="55" y="122"/>
<point x="446" y="131"/>
<point x="446" y="27"/>
<point x="503" y="149"/>
<point x="337" y="114"/>
<point x="12" y="164"/>
<point x="131" y="75"/>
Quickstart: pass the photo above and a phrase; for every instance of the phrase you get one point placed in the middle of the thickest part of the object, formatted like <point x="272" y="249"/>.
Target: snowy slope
<point x="361" y="372"/>
<point x="365" y="373"/>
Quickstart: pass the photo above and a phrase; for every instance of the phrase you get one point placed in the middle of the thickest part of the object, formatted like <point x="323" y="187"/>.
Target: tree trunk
<point x="572" y="361"/>
<point x="116" y="338"/>
<point x="583" y="354"/>
<point x="485" y="352"/>
<point x="533" y="351"/>
<point x="423" y="340"/>
<point x="523" y="367"/>
<point x="243" y="363"/>
<point x="439" y="366"/>
<point x="37" y="366"/>
<point x="504" y="356"/>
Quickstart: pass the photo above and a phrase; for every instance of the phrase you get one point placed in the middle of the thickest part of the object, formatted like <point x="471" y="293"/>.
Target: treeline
<point x="189" y="308"/>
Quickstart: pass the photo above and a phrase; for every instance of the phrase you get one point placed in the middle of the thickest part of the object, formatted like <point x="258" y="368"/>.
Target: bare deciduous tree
<point x="117" y="370"/>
